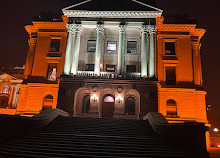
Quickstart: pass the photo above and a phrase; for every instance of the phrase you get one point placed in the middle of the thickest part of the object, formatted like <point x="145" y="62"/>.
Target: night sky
<point x="16" y="14"/>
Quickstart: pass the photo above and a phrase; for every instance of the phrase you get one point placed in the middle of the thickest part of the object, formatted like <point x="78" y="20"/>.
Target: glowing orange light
<point x="219" y="146"/>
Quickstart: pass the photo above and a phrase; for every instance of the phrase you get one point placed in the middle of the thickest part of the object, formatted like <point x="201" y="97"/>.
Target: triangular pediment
<point x="114" y="5"/>
<point x="6" y="76"/>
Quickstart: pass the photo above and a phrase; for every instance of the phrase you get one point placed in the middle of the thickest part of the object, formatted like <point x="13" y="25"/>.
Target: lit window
<point x="132" y="47"/>
<point x="91" y="46"/>
<point x="5" y="90"/>
<point x="55" y="45"/>
<point x="110" y="68"/>
<point x="170" y="48"/>
<point x="171" y="75"/>
<point x="111" y="46"/>
<point x="130" y="68"/>
<point x="90" y="67"/>
<point x="52" y="72"/>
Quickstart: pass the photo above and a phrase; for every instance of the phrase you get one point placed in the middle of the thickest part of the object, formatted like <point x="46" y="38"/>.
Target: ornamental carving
<point x="32" y="40"/>
<point x="148" y="29"/>
<point x="122" y="28"/>
<point x="74" y="27"/>
<point x="100" y="28"/>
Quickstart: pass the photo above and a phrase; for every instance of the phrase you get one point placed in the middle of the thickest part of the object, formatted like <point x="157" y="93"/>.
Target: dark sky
<point x="16" y="14"/>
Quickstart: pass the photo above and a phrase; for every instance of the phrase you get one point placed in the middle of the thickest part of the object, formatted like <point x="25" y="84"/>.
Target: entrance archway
<point x="4" y="101"/>
<point x="108" y="104"/>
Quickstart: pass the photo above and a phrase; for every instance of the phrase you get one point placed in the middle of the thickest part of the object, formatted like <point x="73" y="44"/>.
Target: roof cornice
<point x="112" y="14"/>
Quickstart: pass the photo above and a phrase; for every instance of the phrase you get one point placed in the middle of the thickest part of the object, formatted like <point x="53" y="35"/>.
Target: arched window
<point x="130" y="106"/>
<point x="5" y="90"/>
<point x="4" y="101"/>
<point x="86" y="104"/>
<point x="48" y="102"/>
<point x="171" y="108"/>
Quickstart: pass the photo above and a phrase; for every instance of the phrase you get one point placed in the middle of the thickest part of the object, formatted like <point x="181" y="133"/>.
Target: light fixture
<point x="94" y="98"/>
<point x="219" y="146"/>
<point x="215" y="129"/>
<point x="119" y="99"/>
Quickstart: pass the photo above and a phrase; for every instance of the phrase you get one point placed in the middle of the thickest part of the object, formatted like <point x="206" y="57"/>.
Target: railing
<point x="110" y="75"/>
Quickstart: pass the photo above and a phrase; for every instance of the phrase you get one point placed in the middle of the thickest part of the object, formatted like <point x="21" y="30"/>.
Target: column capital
<point x="74" y="27"/>
<point x="100" y="28"/>
<point x="196" y="44"/>
<point x="148" y="29"/>
<point x="32" y="40"/>
<point x="122" y="28"/>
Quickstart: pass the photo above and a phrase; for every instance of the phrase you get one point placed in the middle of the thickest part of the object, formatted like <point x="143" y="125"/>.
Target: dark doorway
<point x="130" y="106"/>
<point x="108" y="104"/>
<point x="4" y="101"/>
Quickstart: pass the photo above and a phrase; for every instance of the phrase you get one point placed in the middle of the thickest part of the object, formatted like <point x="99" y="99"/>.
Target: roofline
<point x="112" y="14"/>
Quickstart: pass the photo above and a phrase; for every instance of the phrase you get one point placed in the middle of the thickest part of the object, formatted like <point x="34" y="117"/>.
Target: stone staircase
<point x="90" y="137"/>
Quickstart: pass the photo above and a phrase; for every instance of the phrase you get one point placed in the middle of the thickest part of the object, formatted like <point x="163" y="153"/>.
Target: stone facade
<point x="126" y="62"/>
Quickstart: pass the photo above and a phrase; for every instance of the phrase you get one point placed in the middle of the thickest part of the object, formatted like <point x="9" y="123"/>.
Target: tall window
<point x="130" y="68"/>
<point x="86" y="104"/>
<point x="111" y="46"/>
<point x="52" y="72"/>
<point x="55" y="45"/>
<point x="110" y="68"/>
<point x="171" y="108"/>
<point x="171" y="75"/>
<point x="89" y="67"/>
<point x="132" y="47"/>
<point x="48" y="102"/>
<point x="170" y="48"/>
<point x="91" y="46"/>
<point x="130" y="106"/>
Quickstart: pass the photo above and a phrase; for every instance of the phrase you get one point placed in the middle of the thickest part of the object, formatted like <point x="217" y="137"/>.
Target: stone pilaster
<point x="30" y="56"/>
<point x="197" y="68"/>
<point x="98" y="53"/>
<point x="75" y="50"/>
<point x="121" y="49"/>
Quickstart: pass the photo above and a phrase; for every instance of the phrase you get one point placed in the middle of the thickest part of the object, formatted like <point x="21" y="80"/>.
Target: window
<point x="130" y="106"/>
<point x="52" y="72"/>
<point x="132" y="47"/>
<point x="55" y="45"/>
<point x="86" y="104"/>
<point x="171" y="75"/>
<point x="111" y="46"/>
<point x="171" y="108"/>
<point x="170" y="48"/>
<point x="89" y="67"/>
<point x="48" y="102"/>
<point x="130" y="68"/>
<point x="110" y="68"/>
<point x="91" y="46"/>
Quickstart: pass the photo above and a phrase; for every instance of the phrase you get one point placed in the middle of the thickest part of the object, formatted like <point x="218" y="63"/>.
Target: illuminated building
<point x="114" y="62"/>
<point x="10" y="80"/>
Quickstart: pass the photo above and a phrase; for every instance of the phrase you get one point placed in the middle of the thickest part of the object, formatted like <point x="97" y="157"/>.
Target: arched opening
<point x="5" y="90"/>
<point x="108" y="104"/>
<point x="171" y="108"/>
<point x="86" y="104"/>
<point x="4" y="101"/>
<point x="130" y="106"/>
<point x="48" y="102"/>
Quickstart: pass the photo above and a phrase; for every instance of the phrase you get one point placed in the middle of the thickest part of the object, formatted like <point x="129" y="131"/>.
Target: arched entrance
<point x="130" y="106"/>
<point x="108" y="104"/>
<point x="4" y="101"/>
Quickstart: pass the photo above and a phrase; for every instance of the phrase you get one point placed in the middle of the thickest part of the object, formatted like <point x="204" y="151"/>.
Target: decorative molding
<point x="32" y="40"/>
<point x="113" y="14"/>
<point x="122" y="28"/>
<point x="149" y="29"/>
<point x="100" y="28"/>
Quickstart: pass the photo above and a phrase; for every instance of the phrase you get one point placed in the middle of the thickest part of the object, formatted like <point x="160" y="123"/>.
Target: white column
<point x="144" y="41"/>
<point x="121" y="49"/>
<point x="99" y="41"/>
<point x="67" y="64"/>
<point x="152" y="53"/>
<point x="76" y="46"/>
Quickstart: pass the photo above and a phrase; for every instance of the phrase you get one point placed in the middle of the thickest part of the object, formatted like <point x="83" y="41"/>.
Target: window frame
<point x="116" y="50"/>
<point x="136" y="47"/>
<point x="169" y="40"/>
<point x="87" y="48"/>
